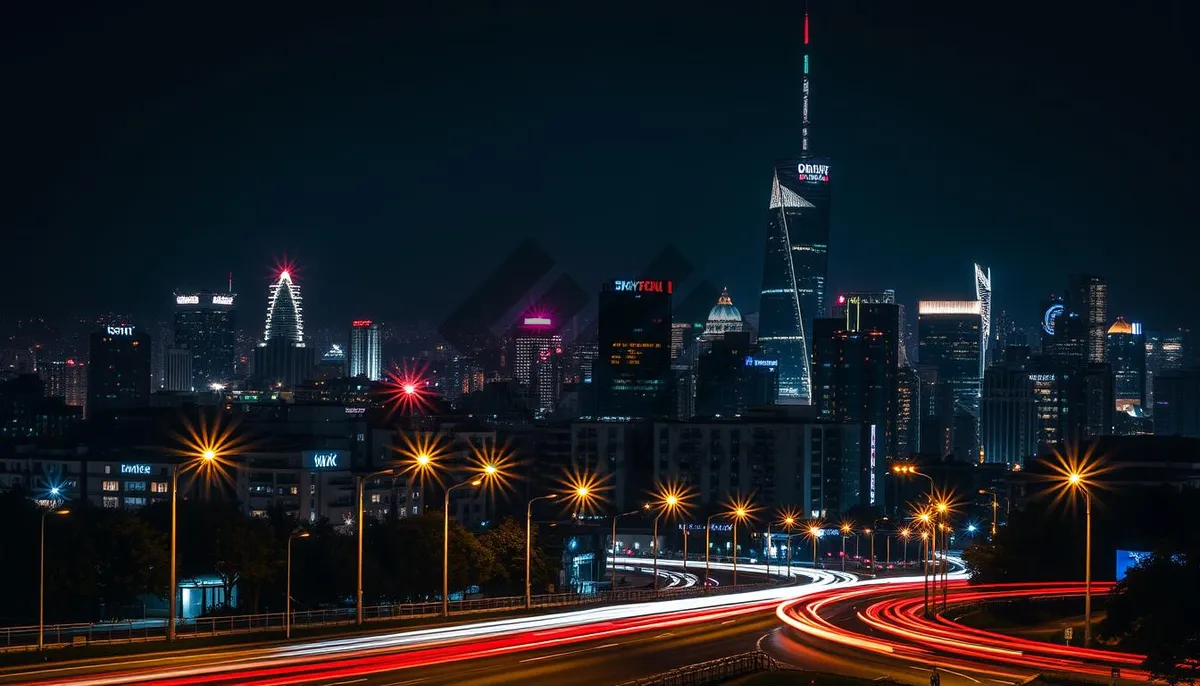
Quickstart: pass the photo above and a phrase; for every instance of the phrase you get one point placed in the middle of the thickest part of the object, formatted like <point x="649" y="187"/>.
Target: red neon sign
<point x="360" y="323"/>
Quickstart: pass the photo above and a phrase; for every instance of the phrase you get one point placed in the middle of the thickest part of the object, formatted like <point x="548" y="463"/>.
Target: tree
<point x="507" y="545"/>
<point x="1153" y="610"/>
<point x="406" y="557"/>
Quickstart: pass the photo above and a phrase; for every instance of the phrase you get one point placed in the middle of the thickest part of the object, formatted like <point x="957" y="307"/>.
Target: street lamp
<point x="904" y="534"/>
<point x="995" y="506"/>
<point x="614" y="543"/>
<point x="42" y="576"/>
<point x="670" y="501"/>
<point x="287" y="610"/>
<point x="446" y="542"/>
<point x="789" y="521"/>
<point x="814" y="532"/>
<point x="362" y="480"/>
<point x="739" y="511"/>
<point x="1077" y="482"/>
<point x="529" y="543"/>
<point x="208" y="459"/>
<point x="707" y="547"/>
<point x="847" y="528"/>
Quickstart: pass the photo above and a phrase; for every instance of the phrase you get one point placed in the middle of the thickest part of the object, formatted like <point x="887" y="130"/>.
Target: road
<point x="662" y="634"/>
<point x="882" y="632"/>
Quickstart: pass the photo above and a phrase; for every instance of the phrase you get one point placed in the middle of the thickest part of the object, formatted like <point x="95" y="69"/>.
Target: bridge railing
<point x="711" y="672"/>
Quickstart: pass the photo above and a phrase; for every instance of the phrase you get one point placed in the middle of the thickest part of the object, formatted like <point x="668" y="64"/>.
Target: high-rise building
<point x="366" y="353"/>
<point x="854" y="382"/>
<point x="206" y="326"/>
<point x="1177" y="403"/>
<point x="1166" y="351"/>
<point x="179" y="372"/>
<point x="730" y="377"/>
<point x="118" y="369"/>
<point x="66" y="379"/>
<point x="723" y="318"/>
<point x="848" y="301"/>
<point x="1127" y="354"/>
<point x="1008" y="415"/>
<point x="949" y="338"/>
<point x="795" y="266"/>
<point x="283" y="359"/>
<point x="537" y="363"/>
<point x="1088" y="298"/>
<point x="796" y="259"/>
<point x="285" y="316"/>
<point x="983" y="293"/>
<point x="908" y="411"/>
<point x="633" y="370"/>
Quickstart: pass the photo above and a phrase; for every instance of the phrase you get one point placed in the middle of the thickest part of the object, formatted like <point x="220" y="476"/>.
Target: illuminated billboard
<point x="120" y="330"/>
<point x="222" y="300"/>
<point x="187" y="300"/>
<point x="538" y="322"/>
<point x="643" y="286"/>
<point x="326" y="459"/>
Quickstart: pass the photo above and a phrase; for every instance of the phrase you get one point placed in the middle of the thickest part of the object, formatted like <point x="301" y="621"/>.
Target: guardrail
<point x="712" y="671"/>
<point x="142" y="630"/>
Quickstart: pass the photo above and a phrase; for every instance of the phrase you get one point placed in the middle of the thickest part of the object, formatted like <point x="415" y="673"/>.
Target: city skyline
<point x="928" y="196"/>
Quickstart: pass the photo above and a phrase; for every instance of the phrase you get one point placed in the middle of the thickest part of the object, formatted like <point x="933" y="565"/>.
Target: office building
<point x="1177" y="403"/>
<point x="633" y="370"/>
<point x="785" y="463"/>
<point x="795" y="267"/>
<point x="206" y="326"/>
<point x="538" y="362"/>
<point x="1088" y="298"/>
<point x="731" y="377"/>
<point x="1126" y="350"/>
<point x="118" y="369"/>
<point x="285" y="314"/>
<point x="1008" y="426"/>
<point x="1167" y="351"/>
<point x="854" y="381"/>
<point x="366" y="354"/>
<point x="908" y="412"/>
<point x="66" y="379"/>
<point x="179" y="374"/>
<point x="949" y="339"/>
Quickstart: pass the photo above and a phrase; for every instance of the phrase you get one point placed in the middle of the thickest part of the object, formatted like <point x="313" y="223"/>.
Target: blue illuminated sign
<point x="138" y="469"/>
<point x="327" y="459"/>
<point x="752" y="361"/>
<point x="1050" y="317"/>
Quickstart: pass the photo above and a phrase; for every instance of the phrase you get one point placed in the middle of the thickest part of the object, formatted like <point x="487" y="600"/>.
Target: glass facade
<point x="795" y="266"/>
<point x="634" y="366"/>
<point x="205" y="325"/>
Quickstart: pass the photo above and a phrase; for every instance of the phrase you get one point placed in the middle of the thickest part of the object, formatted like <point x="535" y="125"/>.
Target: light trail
<point x="360" y="655"/>
<point x="908" y="634"/>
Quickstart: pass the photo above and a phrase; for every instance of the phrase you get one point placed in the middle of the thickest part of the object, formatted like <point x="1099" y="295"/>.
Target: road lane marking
<point x="569" y="652"/>
<point x="410" y="681"/>
<point x="1002" y="681"/>
<point x="664" y="635"/>
<point x="728" y="621"/>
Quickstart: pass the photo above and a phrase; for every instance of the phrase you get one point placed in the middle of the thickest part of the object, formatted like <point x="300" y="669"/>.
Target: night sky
<point x="396" y="157"/>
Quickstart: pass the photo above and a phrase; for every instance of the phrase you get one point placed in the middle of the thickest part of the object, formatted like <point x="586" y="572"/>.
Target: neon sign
<point x="752" y="361"/>
<point x="325" y="459"/>
<point x="538" y="321"/>
<point x="222" y="300"/>
<point x="139" y="469"/>
<point x="1050" y="318"/>
<point x="643" y="286"/>
<point x="813" y="172"/>
<point x="360" y="323"/>
<point x="120" y="331"/>
<point x="187" y="300"/>
<point x="872" y="467"/>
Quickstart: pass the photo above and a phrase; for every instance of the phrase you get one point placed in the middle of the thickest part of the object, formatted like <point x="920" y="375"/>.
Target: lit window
<point x="111" y="501"/>
<point x="135" y="502"/>
<point x="295" y="490"/>
<point x="135" y="486"/>
<point x="374" y="497"/>
<point x="110" y="486"/>
<point x="158" y="487"/>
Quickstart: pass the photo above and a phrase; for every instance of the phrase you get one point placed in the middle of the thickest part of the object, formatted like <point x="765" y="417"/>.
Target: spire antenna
<point x="804" y="116"/>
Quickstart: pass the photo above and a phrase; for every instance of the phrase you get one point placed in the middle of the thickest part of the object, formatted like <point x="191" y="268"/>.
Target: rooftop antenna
<point x="804" y="120"/>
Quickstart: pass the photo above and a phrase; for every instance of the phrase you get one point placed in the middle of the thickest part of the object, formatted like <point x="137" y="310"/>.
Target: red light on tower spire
<point x="806" y="28"/>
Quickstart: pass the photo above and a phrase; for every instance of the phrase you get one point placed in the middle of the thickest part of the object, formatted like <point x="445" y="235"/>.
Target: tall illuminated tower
<point x="285" y="320"/>
<point x="795" y="260"/>
<point x="983" y="293"/>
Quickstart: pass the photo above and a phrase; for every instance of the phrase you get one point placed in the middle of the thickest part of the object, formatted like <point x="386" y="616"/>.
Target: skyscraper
<point x="282" y="359"/>
<point x="1127" y="355"/>
<point x="118" y="369"/>
<point x="633" y="370"/>
<point x="365" y="358"/>
<point x="949" y="338"/>
<point x="1088" y="298"/>
<point x="796" y="260"/>
<point x="983" y="293"/>
<point x="537" y="364"/>
<point x="285" y="319"/>
<point x="206" y="326"/>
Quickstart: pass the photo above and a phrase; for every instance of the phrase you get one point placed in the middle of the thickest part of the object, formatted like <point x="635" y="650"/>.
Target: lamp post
<point x="446" y="545"/>
<point x="739" y="513"/>
<point x="362" y="480"/>
<point x="943" y="509"/>
<point x="815" y="533"/>
<point x="846" y="529"/>
<point x="995" y="506"/>
<point x="788" y="522"/>
<point x="1077" y="482"/>
<point x="529" y="544"/>
<point x="614" y="543"/>
<point x="768" y="552"/>
<point x="904" y="534"/>
<point x="875" y="530"/>
<point x="207" y="456"/>
<point x="42" y="577"/>
<point x="707" y="547"/>
<point x="669" y="503"/>
<point x="287" y="603"/>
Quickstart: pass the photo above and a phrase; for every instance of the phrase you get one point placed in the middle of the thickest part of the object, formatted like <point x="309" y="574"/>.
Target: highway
<point x="664" y="633"/>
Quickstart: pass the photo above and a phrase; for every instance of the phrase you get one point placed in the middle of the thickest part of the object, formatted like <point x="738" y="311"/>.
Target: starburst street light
<point x="669" y="499"/>
<point x="740" y="510"/>
<point x="813" y="530"/>
<point x="493" y="464"/>
<point x="424" y="454"/>
<point x="406" y="389"/>
<point x="583" y="491"/>
<point x="1074" y="475"/>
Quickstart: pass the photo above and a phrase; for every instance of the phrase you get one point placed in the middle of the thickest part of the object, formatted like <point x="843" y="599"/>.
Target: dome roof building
<point x="723" y="317"/>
